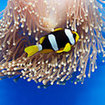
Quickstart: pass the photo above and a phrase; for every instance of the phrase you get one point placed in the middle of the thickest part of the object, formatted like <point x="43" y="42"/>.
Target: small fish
<point x="60" y="40"/>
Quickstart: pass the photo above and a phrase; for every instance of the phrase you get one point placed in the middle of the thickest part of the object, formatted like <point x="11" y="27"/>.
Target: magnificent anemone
<point x="25" y="21"/>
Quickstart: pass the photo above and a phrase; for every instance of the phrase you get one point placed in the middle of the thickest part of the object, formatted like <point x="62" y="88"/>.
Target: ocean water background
<point x="92" y="92"/>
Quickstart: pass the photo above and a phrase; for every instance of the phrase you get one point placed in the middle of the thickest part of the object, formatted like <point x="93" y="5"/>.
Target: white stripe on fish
<point x="70" y="36"/>
<point x="53" y="42"/>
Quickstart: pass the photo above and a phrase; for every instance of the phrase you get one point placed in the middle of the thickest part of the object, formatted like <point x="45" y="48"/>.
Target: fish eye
<point x="74" y="35"/>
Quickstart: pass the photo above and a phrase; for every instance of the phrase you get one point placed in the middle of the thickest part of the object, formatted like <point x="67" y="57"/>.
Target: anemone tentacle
<point x="24" y="22"/>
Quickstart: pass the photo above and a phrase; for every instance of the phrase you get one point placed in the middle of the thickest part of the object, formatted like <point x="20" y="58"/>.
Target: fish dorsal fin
<point x="67" y="47"/>
<point x="42" y="39"/>
<point x="58" y="29"/>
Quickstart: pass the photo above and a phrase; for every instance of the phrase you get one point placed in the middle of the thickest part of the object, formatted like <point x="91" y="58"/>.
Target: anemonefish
<point x="60" y="40"/>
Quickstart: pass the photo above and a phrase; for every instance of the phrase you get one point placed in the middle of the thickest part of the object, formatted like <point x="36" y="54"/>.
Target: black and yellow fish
<point x="60" y="40"/>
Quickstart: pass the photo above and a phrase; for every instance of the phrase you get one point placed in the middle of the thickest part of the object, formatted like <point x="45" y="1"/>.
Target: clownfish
<point x="60" y="40"/>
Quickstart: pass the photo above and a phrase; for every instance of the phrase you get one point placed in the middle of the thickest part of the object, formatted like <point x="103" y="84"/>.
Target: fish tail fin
<point x="31" y="50"/>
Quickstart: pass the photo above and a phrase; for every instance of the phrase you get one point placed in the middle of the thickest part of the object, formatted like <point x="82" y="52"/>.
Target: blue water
<point x="92" y="92"/>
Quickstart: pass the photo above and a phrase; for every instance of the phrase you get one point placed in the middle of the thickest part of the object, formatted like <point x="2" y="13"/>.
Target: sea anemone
<point x="25" y="21"/>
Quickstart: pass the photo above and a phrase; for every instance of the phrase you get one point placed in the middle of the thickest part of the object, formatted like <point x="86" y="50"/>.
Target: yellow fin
<point x="42" y="39"/>
<point x="59" y="51"/>
<point x="67" y="47"/>
<point x="58" y="29"/>
<point x="46" y="51"/>
<point x="31" y="50"/>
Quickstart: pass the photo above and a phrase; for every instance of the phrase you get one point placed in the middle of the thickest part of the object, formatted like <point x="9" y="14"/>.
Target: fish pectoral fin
<point x="60" y="51"/>
<point x="31" y="50"/>
<point x="58" y="29"/>
<point x="42" y="39"/>
<point x="67" y="47"/>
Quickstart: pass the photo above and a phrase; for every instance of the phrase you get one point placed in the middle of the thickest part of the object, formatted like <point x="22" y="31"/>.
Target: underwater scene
<point x="52" y="52"/>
